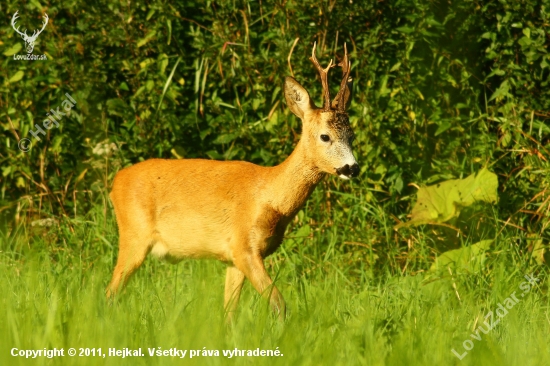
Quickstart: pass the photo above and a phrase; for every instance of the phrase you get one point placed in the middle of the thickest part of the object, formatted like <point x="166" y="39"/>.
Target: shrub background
<point x="441" y="90"/>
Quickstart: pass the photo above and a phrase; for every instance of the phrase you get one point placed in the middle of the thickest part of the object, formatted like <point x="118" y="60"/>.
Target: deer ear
<point x="297" y="98"/>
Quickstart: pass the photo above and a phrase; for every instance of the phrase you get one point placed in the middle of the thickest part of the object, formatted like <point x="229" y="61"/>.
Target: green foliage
<point x="470" y="259"/>
<point x="443" y="201"/>
<point x="441" y="90"/>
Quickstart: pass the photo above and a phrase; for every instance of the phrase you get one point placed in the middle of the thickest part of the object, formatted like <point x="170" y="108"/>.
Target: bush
<point x="441" y="90"/>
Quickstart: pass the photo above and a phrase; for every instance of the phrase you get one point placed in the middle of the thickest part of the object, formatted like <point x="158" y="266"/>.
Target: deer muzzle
<point x="349" y="171"/>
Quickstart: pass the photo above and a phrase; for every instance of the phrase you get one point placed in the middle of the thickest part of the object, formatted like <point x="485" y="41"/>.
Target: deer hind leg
<point x="131" y="254"/>
<point x="253" y="268"/>
<point x="234" y="281"/>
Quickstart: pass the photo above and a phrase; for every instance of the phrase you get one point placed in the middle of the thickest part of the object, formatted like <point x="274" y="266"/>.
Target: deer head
<point x="29" y="40"/>
<point x="327" y="133"/>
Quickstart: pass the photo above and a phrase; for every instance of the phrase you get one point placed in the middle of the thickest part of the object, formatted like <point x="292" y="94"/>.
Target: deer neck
<point x="292" y="182"/>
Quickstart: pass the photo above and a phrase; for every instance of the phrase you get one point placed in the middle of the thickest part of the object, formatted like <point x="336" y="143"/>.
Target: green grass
<point x="347" y="304"/>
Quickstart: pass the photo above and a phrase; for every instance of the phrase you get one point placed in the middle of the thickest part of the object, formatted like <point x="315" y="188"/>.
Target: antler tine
<point x="44" y="25"/>
<point x="14" y="18"/>
<point x="346" y="68"/>
<point x="13" y="21"/>
<point x="324" y="78"/>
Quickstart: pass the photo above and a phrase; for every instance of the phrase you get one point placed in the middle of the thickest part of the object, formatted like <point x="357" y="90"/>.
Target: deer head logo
<point x="29" y="40"/>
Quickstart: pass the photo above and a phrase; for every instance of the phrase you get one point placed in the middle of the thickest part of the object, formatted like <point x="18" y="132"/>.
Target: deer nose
<point x="354" y="170"/>
<point x="349" y="171"/>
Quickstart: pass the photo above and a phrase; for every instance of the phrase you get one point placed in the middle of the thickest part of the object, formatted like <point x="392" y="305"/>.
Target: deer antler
<point x="24" y="34"/>
<point x="324" y="78"/>
<point x="343" y="93"/>
<point x="13" y="20"/>
<point x="36" y="33"/>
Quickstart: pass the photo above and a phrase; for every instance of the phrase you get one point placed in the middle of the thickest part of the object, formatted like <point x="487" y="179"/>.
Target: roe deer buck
<point x="233" y="211"/>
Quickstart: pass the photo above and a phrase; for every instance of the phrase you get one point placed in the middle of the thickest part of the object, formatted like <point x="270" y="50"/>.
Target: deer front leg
<point x="252" y="265"/>
<point x="234" y="280"/>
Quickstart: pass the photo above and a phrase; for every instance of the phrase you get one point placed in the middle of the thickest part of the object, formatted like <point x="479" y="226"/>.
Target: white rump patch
<point x="159" y="250"/>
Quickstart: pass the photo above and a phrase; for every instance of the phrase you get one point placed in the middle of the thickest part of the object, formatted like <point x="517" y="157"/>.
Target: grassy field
<point x="346" y="307"/>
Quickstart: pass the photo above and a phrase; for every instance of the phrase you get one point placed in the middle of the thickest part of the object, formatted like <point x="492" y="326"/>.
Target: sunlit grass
<point x="345" y="306"/>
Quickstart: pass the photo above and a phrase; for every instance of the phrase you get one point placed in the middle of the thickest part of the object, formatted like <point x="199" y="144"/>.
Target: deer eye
<point x="325" y="138"/>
